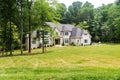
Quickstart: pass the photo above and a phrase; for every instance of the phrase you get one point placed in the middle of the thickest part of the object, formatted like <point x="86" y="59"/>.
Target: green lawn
<point x="64" y="63"/>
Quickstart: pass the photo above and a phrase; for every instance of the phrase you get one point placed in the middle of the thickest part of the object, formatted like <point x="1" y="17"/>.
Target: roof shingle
<point x="75" y="32"/>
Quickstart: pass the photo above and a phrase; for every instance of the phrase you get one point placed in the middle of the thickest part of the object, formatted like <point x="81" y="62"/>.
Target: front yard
<point x="64" y="63"/>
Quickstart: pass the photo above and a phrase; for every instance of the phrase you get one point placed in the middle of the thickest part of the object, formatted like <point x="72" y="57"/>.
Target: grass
<point x="64" y="63"/>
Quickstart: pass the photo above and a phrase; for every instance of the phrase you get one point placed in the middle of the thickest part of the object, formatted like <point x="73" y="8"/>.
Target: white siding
<point x="66" y="37"/>
<point x="76" y="41"/>
<point x="84" y="40"/>
<point x="34" y="34"/>
<point x="86" y="37"/>
<point x="36" y="44"/>
<point x="61" y="41"/>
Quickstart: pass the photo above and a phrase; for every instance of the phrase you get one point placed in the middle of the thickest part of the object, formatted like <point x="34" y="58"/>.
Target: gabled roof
<point x="52" y="25"/>
<point x="75" y="32"/>
<point x="65" y="27"/>
<point x="61" y="27"/>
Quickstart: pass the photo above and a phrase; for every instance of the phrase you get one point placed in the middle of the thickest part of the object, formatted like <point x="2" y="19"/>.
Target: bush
<point x="72" y="44"/>
<point x="63" y="44"/>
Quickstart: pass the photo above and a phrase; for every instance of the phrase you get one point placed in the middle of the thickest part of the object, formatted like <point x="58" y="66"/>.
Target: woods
<point x="20" y="17"/>
<point x="102" y="22"/>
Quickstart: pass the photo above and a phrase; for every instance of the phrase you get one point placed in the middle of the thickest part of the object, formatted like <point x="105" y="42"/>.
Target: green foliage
<point x="103" y="25"/>
<point x="41" y="14"/>
<point x="116" y="21"/>
<point x="8" y="33"/>
<point x="83" y="25"/>
<point x="103" y="22"/>
<point x="72" y="16"/>
<point x="61" y="12"/>
<point x="14" y="36"/>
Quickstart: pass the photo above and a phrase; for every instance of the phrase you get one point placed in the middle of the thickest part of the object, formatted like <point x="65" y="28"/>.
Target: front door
<point x="57" y="41"/>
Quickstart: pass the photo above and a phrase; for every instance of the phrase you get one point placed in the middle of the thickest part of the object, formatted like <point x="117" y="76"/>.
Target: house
<point x="67" y="34"/>
<point x="37" y="42"/>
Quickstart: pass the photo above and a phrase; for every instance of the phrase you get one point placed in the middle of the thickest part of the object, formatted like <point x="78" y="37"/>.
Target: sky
<point x="96" y="3"/>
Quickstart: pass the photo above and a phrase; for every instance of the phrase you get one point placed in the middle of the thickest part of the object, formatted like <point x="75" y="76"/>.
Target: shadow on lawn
<point x="24" y="54"/>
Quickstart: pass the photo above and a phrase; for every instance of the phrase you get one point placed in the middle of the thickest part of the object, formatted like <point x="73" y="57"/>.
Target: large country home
<point x="67" y="34"/>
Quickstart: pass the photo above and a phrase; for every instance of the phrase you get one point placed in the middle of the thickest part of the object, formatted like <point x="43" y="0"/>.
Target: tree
<point x="41" y="14"/>
<point x="114" y="18"/>
<point x="72" y="16"/>
<point x="61" y="12"/>
<point x="83" y="25"/>
<point x="20" y="8"/>
<point x="29" y="12"/>
<point x="8" y="10"/>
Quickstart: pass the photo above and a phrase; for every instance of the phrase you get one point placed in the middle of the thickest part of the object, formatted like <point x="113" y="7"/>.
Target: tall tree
<point x="73" y="12"/>
<point x="29" y="4"/>
<point x="8" y="10"/>
<point x="114" y="17"/>
<point x="41" y="14"/>
<point x="20" y="8"/>
<point x="61" y="12"/>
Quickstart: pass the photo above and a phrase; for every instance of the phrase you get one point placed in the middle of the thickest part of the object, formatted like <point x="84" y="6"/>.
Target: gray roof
<point x="61" y="27"/>
<point x="65" y="27"/>
<point x="75" y="32"/>
<point x="52" y="25"/>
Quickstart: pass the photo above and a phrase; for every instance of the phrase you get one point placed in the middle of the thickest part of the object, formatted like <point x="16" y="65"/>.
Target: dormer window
<point x="66" y="33"/>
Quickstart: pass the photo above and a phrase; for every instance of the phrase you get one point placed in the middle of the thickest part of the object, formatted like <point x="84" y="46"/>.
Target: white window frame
<point x="66" y="33"/>
<point x="66" y="40"/>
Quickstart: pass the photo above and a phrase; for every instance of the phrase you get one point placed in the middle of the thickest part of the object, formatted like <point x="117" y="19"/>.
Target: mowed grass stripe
<point x="64" y="63"/>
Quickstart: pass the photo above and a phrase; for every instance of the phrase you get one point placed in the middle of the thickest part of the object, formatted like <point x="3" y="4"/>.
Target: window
<point x="66" y="33"/>
<point x="77" y="41"/>
<point x="66" y="40"/>
<point x="85" y="41"/>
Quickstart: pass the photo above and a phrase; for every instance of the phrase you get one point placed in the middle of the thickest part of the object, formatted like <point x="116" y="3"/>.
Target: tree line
<point x="21" y="17"/>
<point x="103" y="23"/>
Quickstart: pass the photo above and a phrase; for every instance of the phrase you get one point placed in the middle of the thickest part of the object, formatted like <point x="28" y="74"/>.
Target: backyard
<point x="64" y="63"/>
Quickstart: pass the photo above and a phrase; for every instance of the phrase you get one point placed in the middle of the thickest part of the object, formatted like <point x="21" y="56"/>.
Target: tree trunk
<point x="29" y="7"/>
<point x="43" y="42"/>
<point x="10" y="38"/>
<point x="4" y="42"/>
<point x="21" y="26"/>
